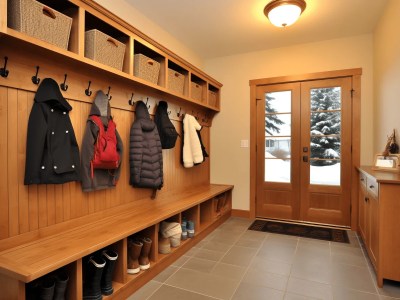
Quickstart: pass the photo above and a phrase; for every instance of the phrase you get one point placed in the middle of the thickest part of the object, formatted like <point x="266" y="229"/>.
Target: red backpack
<point x="105" y="150"/>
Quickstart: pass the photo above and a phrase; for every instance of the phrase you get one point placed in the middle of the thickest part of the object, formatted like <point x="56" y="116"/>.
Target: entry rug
<point x="313" y="232"/>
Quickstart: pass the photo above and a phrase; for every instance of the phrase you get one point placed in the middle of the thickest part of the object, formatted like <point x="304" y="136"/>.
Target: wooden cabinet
<point x="379" y="211"/>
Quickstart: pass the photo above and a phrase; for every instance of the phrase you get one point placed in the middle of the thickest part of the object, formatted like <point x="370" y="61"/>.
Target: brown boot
<point x="134" y="250"/>
<point x="144" y="261"/>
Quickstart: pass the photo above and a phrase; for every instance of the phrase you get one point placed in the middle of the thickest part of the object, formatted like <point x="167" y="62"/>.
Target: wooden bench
<point x="48" y="250"/>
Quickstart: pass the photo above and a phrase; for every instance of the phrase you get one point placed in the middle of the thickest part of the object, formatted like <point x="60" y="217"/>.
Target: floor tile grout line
<point x="183" y="289"/>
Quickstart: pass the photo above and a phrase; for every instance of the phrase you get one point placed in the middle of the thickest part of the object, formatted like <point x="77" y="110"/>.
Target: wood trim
<point x="307" y="77"/>
<point x="253" y="152"/>
<point x="241" y="213"/>
<point x="356" y="148"/>
<point x="3" y="15"/>
<point x="140" y="34"/>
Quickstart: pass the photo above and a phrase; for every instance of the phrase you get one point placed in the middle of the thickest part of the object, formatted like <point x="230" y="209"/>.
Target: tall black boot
<point x="61" y="286"/>
<point x="93" y="270"/>
<point x="106" y="279"/>
<point x="46" y="289"/>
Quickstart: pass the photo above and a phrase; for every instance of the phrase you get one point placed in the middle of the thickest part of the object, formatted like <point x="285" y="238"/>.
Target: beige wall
<point x="230" y="163"/>
<point x="128" y="13"/>
<point x="387" y="75"/>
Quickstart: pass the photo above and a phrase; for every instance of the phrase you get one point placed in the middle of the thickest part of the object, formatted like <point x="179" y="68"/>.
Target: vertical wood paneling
<point x="51" y="205"/>
<point x="58" y="191"/>
<point x="12" y="170"/>
<point x="23" y="190"/>
<point x="67" y="201"/>
<point x="4" y="207"/>
<point x="42" y="205"/>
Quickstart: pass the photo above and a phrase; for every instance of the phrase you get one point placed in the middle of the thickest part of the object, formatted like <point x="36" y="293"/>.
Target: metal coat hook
<point x="63" y="85"/>
<point x="130" y="101"/>
<point x="35" y="78"/>
<point x="3" y="71"/>
<point x="148" y="106"/>
<point x="108" y="93"/>
<point x="88" y="92"/>
<point x="178" y="114"/>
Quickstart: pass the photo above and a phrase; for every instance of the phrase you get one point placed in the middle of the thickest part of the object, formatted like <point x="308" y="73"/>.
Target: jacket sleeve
<point x="35" y="144"/>
<point x="89" y="139"/>
<point x="135" y="153"/>
<point x="120" y="150"/>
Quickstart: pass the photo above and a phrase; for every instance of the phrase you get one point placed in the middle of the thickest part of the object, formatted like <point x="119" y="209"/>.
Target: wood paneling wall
<point x="25" y="209"/>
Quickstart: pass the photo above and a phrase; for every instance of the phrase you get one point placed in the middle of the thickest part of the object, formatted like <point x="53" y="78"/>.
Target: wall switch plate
<point x="244" y="143"/>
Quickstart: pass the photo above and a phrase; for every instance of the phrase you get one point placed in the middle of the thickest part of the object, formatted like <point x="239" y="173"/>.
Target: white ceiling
<point x="215" y="28"/>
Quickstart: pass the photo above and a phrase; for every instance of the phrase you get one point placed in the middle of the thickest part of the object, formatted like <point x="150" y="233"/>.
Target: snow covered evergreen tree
<point x="272" y="121"/>
<point x="325" y="126"/>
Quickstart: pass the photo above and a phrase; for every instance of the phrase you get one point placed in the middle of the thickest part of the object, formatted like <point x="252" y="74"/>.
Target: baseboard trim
<point x="241" y="213"/>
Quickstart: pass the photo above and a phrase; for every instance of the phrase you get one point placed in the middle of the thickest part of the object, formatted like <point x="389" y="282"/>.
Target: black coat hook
<point x="63" y="85"/>
<point x="108" y="93"/>
<point x="179" y="112"/>
<point x="3" y="71"/>
<point x="88" y="92"/>
<point x="130" y="101"/>
<point x="35" y="78"/>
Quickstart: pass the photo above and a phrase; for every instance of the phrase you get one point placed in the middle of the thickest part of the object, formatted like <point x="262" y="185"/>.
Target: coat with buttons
<point x="52" y="153"/>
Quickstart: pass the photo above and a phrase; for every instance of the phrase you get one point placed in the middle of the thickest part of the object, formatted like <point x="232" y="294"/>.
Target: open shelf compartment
<point x="177" y="79"/>
<point x="213" y="96"/>
<point x="198" y="89"/>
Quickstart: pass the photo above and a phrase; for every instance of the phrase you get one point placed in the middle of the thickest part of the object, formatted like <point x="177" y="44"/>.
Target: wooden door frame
<point x="355" y="75"/>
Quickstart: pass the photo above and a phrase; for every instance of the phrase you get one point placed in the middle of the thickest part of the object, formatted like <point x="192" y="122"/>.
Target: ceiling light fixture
<point x="282" y="13"/>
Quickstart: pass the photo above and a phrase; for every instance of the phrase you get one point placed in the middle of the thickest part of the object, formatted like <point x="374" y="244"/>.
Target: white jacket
<point x="192" y="153"/>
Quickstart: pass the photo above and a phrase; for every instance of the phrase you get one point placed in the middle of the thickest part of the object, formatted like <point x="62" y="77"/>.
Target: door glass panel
<point x="325" y="131"/>
<point x="278" y="136"/>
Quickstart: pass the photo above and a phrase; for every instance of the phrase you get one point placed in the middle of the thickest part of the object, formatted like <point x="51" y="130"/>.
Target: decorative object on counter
<point x="40" y="21"/>
<point x="389" y="159"/>
<point x="145" y="152"/>
<point x="166" y="129"/>
<point x="52" y="153"/>
<point x="102" y="149"/>
<point x="110" y="258"/>
<point x="92" y="272"/>
<point x="391" y="146"/>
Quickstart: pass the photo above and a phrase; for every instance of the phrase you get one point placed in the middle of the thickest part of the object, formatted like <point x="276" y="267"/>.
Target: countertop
<point x="381" y="176"/>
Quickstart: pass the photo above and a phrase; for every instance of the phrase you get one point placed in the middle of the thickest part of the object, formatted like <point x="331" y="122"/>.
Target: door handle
<point x="305" y="158"/>
<point x="305" y="149"/>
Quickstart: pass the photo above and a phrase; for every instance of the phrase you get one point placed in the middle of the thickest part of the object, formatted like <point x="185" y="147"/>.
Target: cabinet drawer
<point x="372" y="186"/>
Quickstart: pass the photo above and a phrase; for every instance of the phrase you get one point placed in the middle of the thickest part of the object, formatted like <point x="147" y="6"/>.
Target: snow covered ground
<point x="278" y="170"/>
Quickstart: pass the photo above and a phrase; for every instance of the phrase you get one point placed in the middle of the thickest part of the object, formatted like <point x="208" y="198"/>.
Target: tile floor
<point x="238" y="264"/>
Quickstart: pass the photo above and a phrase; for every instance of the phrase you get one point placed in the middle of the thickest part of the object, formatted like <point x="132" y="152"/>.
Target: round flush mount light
<point x="282" y="13"/>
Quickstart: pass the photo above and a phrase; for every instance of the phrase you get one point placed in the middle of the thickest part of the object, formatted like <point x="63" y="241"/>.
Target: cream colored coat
<point x="192" y="153"/>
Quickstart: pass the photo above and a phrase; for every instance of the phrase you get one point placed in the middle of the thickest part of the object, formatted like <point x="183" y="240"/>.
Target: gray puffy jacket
<point x="145" y="153"/>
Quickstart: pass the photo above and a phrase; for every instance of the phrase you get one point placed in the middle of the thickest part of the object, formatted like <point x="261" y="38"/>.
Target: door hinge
<point x="258" y="99"/>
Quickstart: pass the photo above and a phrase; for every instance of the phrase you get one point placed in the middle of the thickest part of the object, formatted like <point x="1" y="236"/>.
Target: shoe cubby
<point x="206" y="214"/>
<point x="148" y="63"/>
<point x="192" y="214"/>
<point x="213" y="96"/>
<point x="198" y="88"/>
<point x="177" y="79"/>
<point x="59" y="284"/>
<point x="106" y="44"/>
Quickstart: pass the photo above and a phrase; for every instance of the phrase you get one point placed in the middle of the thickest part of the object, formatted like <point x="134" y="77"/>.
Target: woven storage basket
<point x="176" y="81"/>
<point x="212" y="98"/>
<point x="39" y="21"/>
<point x="197" y="91"/>
<point x="104" y="49"/>
<point x="146" y="68"/>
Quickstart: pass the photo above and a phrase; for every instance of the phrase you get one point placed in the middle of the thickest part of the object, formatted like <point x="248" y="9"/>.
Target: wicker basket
<point x="104" y="49"/>
<point x="212" y="98"/>
<point x="146" y="68"/>
<point x="39" y="21"/>
<point x="176" y="81"/>
<point x="197" y="91"/>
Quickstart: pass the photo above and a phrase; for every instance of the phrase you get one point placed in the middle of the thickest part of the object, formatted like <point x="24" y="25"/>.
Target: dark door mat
<point x="313" y="232"/>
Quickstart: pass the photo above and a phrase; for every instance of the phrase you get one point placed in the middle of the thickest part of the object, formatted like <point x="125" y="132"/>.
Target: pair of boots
<point x="171" y="231"/>
<point x="48" y="288"/>
<point x="187" y="229"/>
<point x="98" y="274"/>
<point x="138" y="254"/>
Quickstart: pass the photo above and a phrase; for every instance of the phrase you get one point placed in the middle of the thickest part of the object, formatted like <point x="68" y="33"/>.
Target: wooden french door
<point x="304" y="151"/>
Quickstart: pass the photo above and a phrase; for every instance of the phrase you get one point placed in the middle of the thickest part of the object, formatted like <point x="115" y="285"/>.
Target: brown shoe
<point x="134" y="250"/>
<point x="144" y="261"/>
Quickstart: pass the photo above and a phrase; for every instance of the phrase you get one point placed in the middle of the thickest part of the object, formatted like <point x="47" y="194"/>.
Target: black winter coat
<point x="145" y="153"/>
<point x="52" y="153"/>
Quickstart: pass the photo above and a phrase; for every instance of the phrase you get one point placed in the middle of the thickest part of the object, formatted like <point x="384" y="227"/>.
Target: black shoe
<point x="46" y="289"/>
<point x="93" y="270"/>
<point x="106" y="279"/>
<point x="61" y="286"/>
